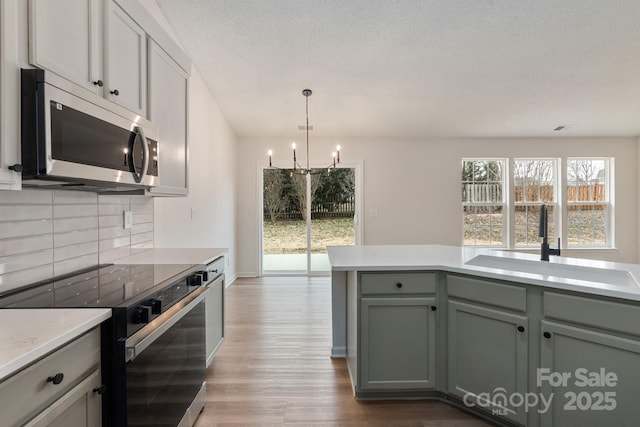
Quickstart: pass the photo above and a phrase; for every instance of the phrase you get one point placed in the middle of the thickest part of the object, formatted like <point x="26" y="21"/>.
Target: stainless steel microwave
<point x="76" y="142"/>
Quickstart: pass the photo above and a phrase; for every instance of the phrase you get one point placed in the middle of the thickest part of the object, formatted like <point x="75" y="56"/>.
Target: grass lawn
<point x="289" y="236"/>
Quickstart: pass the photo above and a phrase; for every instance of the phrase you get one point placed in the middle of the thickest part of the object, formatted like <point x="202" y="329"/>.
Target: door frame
<point x="357" y="217"/>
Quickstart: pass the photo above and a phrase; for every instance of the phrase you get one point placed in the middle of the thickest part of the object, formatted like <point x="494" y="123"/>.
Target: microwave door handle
<point x="145" y="154"/>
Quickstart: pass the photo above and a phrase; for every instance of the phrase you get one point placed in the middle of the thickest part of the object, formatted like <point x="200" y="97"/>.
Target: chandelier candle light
<point x="296" y="166"/>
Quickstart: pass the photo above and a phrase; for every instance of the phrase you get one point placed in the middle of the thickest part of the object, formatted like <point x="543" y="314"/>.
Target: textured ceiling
<point x="423" y="68"/>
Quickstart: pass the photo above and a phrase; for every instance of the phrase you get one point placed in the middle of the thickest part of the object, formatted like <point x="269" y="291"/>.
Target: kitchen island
<point x="502" y="334"/>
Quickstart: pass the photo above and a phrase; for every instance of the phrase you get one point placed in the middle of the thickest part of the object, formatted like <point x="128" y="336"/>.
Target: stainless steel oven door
<point x="166" y="366"/>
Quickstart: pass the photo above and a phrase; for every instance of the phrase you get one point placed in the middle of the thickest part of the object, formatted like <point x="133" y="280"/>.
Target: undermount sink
<point x="562" y="271"/>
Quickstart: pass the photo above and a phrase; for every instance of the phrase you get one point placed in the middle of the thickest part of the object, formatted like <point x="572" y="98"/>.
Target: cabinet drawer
<point x="592" y="312"/>
<point x="397" y="283"/>
<point x="28" y="392"/>
<point x="216" y="267"/>
<point x="487" y="292"/>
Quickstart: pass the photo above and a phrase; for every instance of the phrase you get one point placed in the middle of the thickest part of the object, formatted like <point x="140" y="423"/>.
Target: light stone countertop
<point x="193" y="256"/>
<point x="27" y="335"/>
<point x="455" y="259"/>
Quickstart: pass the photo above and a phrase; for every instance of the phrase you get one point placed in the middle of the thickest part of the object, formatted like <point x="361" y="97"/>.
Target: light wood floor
<point x="274" y="367"/>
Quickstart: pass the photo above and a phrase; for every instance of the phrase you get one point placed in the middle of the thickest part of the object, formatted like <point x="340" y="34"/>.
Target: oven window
<point x="165" y="378"/>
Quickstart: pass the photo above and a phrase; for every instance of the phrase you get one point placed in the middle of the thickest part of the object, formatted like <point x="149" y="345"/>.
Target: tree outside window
<point x="483" y="202"/>
<point x="534" y="185"/>
<point x="587" y="202"/>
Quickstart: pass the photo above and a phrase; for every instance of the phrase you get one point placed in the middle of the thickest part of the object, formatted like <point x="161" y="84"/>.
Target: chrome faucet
<point x="543" y="232"/>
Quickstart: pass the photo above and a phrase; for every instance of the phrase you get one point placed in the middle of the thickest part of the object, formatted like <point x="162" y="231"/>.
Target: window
<point x="578" y="202"/>
<point x="587" y="202"/>
<point x="534" y="185"/>
<point x="483" y="203"/>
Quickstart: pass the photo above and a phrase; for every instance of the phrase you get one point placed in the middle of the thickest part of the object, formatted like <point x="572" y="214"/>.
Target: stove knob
<point x="205" y="275"/>
<point x="143" y="314"/>
<point x="156" y="306"/>
<point x="194" y="280"/>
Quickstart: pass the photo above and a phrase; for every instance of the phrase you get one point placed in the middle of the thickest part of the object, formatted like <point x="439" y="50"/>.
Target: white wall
<point x="206" y="217"/>
<point x="415" y="186"/>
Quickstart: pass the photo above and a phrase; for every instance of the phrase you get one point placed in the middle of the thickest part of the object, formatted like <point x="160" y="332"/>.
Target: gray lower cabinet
<point x="214" y="314"/>
<point x="487" y="358"/>
<point x="592" y="378"/>
<point x="79" y="407"/>
<point x="58" y="390"/>
<point x="397" y="344"/>
<point x="523" y="354"/>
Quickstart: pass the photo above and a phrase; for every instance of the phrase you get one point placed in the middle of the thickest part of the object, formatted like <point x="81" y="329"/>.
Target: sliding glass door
<point x="302" y="215"/>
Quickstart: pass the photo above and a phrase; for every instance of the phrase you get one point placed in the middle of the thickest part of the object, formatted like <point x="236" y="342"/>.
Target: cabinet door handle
<point x="547" y="335"/>
<point x="56" y="379"/>
<point x="520" y="328"/>
<point x="398" y="285"/>
<point x="115" y="92"/>
<point x="98" y="83"/>
<point x="100" y="389"/>
<point x="434" y="308"/>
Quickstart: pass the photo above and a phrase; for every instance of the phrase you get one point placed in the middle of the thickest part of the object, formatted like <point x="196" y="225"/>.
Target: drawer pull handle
<point x="98" y="83"/>
<point x="56" y="379"/>
<point x="547" y="335"/>
<point x="100" y="390"/>
<point x="520" y="328"/>
<point x="399" y="285"/>
<point x="115" y="92"/>
<point x="434" y="308"/>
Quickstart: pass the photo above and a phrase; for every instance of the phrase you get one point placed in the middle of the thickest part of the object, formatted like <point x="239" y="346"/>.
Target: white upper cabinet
<point x="92" y="43"/>
<point x="9" y="97"/>
<point x="126" y="61"/>
<point x="66" y="38"/>
<point x="168" y="109"/>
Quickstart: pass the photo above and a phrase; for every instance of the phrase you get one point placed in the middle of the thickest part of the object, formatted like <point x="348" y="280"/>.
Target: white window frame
<point x="505" y="207"/>
<point x="561" y="203"/>
<point x="608" y="214"/>
<point x="555" y="204"/>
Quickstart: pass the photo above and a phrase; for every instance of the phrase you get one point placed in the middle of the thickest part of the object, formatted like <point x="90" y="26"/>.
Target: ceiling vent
<point x="565" y="128"/>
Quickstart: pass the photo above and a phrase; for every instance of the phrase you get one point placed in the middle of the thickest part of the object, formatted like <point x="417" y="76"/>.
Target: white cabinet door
<point x="94" y="44"/>
<point x="168" y="109"/>
<point x="9" y="97"/>
<point x="65" y="36"/>
<point x="126" y="58"/>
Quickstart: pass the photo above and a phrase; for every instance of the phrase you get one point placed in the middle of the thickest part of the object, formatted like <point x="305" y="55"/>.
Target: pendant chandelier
<point x="297" y="168"/>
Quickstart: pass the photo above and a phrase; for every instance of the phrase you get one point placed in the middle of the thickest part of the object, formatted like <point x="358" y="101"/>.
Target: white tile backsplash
<point x="24" y="212"/>
<point x="24" y="244"/>
<point x="25" y="277"/>
<point x="45" y="233"/>
<point x="17" y="229"/>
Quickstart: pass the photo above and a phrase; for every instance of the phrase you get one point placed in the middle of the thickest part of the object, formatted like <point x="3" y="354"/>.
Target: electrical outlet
<point x="127" y="219"/>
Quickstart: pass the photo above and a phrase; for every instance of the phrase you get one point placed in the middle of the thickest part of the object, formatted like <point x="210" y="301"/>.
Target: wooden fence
<point x="328" y="209"/>
<point x="492" y="193"/>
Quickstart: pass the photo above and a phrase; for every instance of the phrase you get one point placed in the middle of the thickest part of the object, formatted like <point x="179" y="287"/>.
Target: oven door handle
<point x="142" y="339"/>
